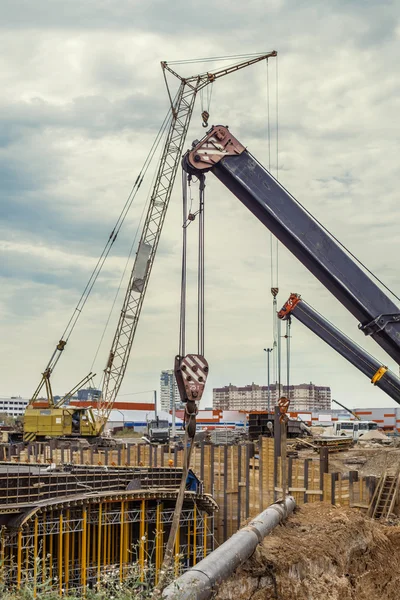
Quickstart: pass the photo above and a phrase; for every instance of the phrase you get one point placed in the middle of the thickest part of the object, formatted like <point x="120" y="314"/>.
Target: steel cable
<point x="115" y="231"/>
<point x="214" y="58"/>
<point x="200" y="274"/>
<point x="182" y="320"/>
<point x="357" y="260"/>
<point x="124" y="271"/>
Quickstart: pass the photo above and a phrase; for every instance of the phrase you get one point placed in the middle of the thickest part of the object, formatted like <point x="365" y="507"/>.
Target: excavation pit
<point x="321" y="552"/>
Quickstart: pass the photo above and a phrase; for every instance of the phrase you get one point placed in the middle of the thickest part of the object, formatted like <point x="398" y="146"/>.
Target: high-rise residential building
<point x="303" y="397"/>
<point x="169" y="391"/>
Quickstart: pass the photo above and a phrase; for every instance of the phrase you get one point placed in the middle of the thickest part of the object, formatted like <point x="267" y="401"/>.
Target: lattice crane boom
<point x="182" y="110"/>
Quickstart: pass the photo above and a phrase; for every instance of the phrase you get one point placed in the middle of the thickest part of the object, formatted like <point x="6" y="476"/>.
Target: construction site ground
<point x="321" y="553"/>
<point x="371" y="459"/>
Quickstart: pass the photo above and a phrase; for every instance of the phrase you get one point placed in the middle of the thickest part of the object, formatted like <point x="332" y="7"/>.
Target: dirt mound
<point x="321" y="552"/>
<point x="380" y="460"/>
<point x="374" y="435"/>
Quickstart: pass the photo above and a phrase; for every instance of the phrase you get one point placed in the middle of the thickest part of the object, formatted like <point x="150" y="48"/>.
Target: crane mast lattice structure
<point x="182" y="107"/>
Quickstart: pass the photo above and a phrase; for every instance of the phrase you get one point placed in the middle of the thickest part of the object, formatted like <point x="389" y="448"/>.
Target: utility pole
<point x="287" y="337"/>
<point x="173" y="416"/>
<point x="268" y="351"/>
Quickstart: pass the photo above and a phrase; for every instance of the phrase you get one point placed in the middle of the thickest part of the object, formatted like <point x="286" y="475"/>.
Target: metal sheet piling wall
<point x="242" y="478"/>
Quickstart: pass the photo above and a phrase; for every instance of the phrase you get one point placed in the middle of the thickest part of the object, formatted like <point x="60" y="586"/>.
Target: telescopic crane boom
<point x="378" y="374"/>
<point x="222" y="154"/>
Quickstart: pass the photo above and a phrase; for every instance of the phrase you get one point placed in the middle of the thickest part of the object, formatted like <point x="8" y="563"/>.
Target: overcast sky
<point x="82" y="100"/>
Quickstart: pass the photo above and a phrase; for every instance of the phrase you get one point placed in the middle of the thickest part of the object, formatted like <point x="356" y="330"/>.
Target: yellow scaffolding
<point x="142" y="538"/>
<point x="60" y="554"/>
<point x="121" y="543"/>
<point x="83" y="550"/>
<point x="35" y="556"/>
<point x="99" y="535"/>
<point x="77" y="542"/>
<point x="67" y="549"/>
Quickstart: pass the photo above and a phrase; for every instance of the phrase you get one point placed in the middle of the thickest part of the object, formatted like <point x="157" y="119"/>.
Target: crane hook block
<point x="205" y="116"/>
<point x="191" y="373"/>
<point x="217" y="144"/>
<point x="289" y="306"/>
<point x="283" y="404"/>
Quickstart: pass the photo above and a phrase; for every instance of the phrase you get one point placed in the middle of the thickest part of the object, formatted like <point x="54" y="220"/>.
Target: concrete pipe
<point x="199" y="582"/>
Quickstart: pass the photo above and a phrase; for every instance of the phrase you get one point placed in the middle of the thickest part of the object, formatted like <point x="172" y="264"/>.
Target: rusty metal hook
<point x="205" y="116"/>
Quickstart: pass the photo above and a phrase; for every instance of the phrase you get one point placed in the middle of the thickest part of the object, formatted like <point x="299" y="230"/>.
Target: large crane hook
<point x="191" y="375"/>
<point x="205" y="116"/>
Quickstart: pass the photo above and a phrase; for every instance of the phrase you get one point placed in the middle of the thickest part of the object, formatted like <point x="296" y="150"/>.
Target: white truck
<point x="157" y="431"/>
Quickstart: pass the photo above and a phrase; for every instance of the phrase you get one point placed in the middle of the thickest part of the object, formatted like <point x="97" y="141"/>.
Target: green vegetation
<point x="127" y="433"/>
<point x="109" y="588"/>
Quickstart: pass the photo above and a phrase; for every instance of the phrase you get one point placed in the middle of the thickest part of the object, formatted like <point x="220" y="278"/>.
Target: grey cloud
<point x="372" y="22"/>
<point x="337" y="93"/>
<point x="98" y="14"/>
<point x="40" y="220"/>
<point x="96" y="115"/>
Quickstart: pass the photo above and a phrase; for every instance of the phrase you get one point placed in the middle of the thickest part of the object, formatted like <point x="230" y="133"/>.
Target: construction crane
<point x="379" y="374"/>
<point x="182" y="110"/>
<point x="42" y="424"/>
<point x="353" y="414"/>
<point x="223" y="155"/>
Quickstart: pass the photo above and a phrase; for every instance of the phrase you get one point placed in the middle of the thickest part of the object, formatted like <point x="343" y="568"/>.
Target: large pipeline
<point x="199" y="582"/>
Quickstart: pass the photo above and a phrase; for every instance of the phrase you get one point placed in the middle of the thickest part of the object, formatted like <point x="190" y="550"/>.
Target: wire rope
<point x="200" y="270"/>
<point x="333" y="236"/>
<point x="288" y="356"/>
<point x="268" y="120"/>
<point x="115" y="231"/>
<point x="214" y="58"/>
<point x="182" y="321"/>
<point x="145" y="206"/>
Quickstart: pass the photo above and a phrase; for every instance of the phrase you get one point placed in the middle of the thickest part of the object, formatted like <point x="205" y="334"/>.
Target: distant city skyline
<point x="83" y="98"/>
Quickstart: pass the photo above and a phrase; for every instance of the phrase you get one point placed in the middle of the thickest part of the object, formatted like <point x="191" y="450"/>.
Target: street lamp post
<point x="268" y="351"/>
<point x="155" y="403"/>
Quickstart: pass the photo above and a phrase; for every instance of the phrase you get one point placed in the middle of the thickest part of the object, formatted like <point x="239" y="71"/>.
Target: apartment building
<point x="14" y="406"/>
<point x="305" y="396"/>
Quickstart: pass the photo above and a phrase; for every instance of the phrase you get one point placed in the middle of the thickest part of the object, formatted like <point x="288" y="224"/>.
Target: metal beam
<point x="352" y="352"/>
<point x="300" y="232"/>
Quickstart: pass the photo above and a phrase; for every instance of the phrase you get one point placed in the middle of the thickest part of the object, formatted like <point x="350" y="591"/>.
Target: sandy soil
<point x="371" y="460"/>
<point x="321" y="553"/>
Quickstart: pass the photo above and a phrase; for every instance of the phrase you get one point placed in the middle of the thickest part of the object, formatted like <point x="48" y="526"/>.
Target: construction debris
<point x="227" y="436"/>
<point x="334" y="444"/>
